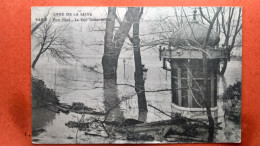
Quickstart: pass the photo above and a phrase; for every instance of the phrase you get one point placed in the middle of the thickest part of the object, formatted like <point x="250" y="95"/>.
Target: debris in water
<point x="38" y="131"/>
<point x="81" y="126"/>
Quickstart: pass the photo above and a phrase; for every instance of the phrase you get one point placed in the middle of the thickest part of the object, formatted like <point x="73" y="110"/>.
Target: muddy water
<point x="76" y="84"/>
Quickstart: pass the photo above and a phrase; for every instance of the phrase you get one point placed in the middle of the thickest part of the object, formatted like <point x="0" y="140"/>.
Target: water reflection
<point x="41" y="117"/>
<point x="222" y="84"/>
<point x="142" y="116"/>
<point x="231" y="130"/>
<point x="112" y="102"/>
<point x="70" y="79"/>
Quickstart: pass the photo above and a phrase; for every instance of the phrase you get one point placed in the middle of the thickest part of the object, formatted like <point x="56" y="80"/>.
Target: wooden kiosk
<point x="185" y="56"/>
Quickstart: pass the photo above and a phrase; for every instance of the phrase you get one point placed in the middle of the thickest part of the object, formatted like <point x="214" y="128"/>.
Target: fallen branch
<point x="160" y="90"/>
<point x="160" y="111"/>
<point x="91" y="134"/>
<point x="79" y="125"/>
<point x="179" y="117"/>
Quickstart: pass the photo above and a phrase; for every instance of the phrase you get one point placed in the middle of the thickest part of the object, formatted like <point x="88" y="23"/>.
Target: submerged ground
<point x="78" y="84"/>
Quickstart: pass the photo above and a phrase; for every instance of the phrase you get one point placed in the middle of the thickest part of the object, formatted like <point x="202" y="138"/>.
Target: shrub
<point x="41" y="95"/>
<point x="232" y="101"/>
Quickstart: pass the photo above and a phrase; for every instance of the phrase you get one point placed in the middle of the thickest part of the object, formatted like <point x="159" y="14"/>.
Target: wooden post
<point x="189" y="83"/>
<point x="215" y="84"/>
<point x="212" y="85"/>
<point x="179" y="87"/>
<point x="173" y="84"/>
<point x="164" y="63"/>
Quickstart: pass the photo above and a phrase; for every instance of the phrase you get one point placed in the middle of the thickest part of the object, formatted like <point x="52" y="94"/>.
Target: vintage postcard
<point x="136" y="74"/>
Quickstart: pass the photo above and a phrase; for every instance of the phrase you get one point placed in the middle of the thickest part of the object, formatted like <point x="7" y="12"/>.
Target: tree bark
<point x="107" y="60"/>
<point x="139" y="80"/>
<point x="37" y="58"/>
<point x="40" y="23"/>
<point x="37" y="26"/>
<point x="206" y="82"/>
<point x="112" y="102"/>
<point x="114" y="43"/>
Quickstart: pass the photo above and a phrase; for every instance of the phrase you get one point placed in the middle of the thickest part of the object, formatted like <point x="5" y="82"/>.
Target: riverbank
<point x="41" y="95"/>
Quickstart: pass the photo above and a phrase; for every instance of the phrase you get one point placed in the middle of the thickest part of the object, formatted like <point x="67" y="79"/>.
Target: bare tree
<point x="205" y="74"/>
<point x="232" y="22"/>
<point x="40" y="23"/>
<point x="229" y="31"/>
<point x="114" y="42"/>
<point x="139" y="81"/>
<point x="113" y="47"/>
<point x="54" y="41"/>
<point x="229" y="23"/>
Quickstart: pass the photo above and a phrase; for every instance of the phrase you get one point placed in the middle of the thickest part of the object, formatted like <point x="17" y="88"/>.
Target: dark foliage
<point x="232" y="101"/>
<point x="233" y="91"/>
<point x="80" y="106"/>
<point x="80" y="125"/>
<point x="41" y="95"/>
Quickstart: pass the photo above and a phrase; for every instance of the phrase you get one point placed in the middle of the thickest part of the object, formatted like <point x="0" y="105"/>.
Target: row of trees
<point x="228" y="25"/>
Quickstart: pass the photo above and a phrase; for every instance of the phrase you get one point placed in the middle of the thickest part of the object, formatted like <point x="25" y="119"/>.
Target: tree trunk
<point x="207" y="98"/>
<point x="35" y="60"/>
<point x="37" y="26"/>
<point x="108" y="62"/>
<point x="40" y="23"/>
<point x="112" y="102"/>
<point x="113" y="44"/>
<point x="139" y="80"/>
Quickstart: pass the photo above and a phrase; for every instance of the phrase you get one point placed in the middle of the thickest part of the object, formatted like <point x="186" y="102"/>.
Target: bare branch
<point x="201" y="13"/>
<point x="40" y="23"/>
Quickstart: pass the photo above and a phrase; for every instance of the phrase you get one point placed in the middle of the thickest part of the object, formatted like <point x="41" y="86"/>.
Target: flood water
<point x="76" y="84"/>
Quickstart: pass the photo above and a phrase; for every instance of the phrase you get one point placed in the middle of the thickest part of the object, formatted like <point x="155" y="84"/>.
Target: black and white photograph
<point x="136" y="75"/>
